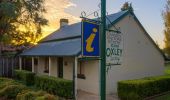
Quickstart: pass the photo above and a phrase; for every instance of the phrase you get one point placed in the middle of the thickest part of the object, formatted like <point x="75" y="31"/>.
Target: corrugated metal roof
<point x="65" y="32"/>
<point x="60" y="48"/>
<point x="75" y="29"/>
<point x="49" y="46"/>
<point x="115" y="16"/>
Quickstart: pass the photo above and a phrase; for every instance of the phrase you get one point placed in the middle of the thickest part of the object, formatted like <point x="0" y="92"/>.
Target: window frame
<point x="46" y="67"/>
<point x="80" y="73"/>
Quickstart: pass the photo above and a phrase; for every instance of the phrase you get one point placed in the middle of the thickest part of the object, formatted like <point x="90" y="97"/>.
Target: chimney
<point x="63" y="22"/>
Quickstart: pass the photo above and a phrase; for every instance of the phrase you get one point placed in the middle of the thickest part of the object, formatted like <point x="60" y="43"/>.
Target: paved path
<point x="88" y="96"/>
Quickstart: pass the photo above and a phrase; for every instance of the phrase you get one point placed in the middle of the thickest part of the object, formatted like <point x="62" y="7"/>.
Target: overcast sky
<point x="149" y="13"/>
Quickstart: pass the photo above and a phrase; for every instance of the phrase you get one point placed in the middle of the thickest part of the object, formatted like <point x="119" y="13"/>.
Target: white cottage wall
<point x="91" y="72"/>
<point x="68" y="63"/>
<point x="41" y="65"/>
<point x="54" y="67"/>
<point x="140" y="57"/>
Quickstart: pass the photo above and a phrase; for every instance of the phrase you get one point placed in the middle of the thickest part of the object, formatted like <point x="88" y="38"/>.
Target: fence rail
<point x="7" y="65"/>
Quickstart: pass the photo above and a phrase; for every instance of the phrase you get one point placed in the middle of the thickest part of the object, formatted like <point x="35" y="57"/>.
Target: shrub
<point x="11" y="91"/>
<point x="141" y="88"/>
<point x="60" y="87"/>
<point x="47" y="97"/>
<point x="25" y="76"/>
<point x="32" y="95"/>
<point x="6" y="82"/>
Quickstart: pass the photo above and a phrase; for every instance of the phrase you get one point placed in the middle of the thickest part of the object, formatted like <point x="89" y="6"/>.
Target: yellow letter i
<point x="90" y="40"/>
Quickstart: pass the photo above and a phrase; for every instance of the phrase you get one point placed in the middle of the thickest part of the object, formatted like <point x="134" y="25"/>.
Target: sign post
<point x="92" y="46"/>
<point x="103" y="52"/>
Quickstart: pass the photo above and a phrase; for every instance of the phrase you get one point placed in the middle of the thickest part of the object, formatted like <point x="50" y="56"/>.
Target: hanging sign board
<point x="114" y="47"/>
<point x="90" y="39"/>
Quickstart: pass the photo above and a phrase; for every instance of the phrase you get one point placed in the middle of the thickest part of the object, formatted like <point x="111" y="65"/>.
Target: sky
<point x="149" y="13"/>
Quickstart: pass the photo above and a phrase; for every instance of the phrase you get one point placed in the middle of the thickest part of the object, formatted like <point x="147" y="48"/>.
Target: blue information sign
<point x="90" y="39"/>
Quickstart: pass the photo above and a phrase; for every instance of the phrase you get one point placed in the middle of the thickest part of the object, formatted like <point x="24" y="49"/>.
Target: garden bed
<point x="14" y="90"/>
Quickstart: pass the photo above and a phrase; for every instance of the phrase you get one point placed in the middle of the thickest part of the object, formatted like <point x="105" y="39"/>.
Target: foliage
<point x="127" y="6"/>
<point x="60" y="87"/>
<point x="167" y="68"/>
<point x="142" y="88"/>
<point x="10" y="88"/>
<point x="163" y="97"/>
<point x="25" y="76"/>
<point x="21" y="20"/>
<point x="6" y="82"/>
<point x="32" y="95"/>
<point x="166" y="17"/>
<point x="11" y="91"/>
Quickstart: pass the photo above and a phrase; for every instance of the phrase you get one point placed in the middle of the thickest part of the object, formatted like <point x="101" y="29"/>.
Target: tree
<point x="166" y="17"/>
<point x="127" y="6"/>
<point x="21" y="21"/>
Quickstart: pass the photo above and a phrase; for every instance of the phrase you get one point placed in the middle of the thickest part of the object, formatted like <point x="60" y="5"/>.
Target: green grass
<point x="164" y="97"/>
<point x="167" y="68"/>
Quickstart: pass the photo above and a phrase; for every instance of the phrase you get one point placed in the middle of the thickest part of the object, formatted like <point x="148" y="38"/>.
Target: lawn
<point x="167" y="68"/>
<point x="166" y="96"/>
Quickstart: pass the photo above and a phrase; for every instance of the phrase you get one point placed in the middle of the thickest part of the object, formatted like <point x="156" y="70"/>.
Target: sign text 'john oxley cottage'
<point x="130" y="54"/>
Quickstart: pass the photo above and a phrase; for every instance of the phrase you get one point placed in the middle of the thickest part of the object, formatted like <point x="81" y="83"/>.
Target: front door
<point x="60" y="67"/>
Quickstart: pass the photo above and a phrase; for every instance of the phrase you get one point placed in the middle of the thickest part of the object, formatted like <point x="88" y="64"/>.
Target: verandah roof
<point x="71" y="47"/>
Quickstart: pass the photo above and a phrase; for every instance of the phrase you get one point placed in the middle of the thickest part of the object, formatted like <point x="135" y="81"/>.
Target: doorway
<point x="60" y="67"/>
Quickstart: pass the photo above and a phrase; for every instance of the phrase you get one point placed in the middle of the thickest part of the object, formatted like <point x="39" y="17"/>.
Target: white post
<point x="33" y="66"/>
<point x="49" y="59"/>
<point x="75" y="77"/>
<point x="20" y="63"/>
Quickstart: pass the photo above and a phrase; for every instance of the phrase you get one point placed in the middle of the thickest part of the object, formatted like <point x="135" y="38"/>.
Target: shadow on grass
<point x="162" y="97"/>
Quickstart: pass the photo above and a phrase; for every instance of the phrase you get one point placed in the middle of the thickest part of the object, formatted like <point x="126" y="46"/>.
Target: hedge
<point x="25" y="76"/>
<point x="57" y="86"/>
<point x="141" y="88"/>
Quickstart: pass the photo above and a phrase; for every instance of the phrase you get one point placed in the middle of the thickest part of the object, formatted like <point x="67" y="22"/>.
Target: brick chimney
<point x="63" y="22"/>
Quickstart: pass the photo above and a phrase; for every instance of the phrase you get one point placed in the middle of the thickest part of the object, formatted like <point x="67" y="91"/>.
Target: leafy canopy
<point x="166" y="17"/>
<point x="21" y="20"/>
<point x="127" y="6"/>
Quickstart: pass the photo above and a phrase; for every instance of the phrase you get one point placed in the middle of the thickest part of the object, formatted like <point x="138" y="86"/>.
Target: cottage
<point x="59" y="55"/>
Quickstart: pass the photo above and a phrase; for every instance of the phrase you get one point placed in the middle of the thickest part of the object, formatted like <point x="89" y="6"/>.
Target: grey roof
<point x="115" y="16"/>
<point x="65" y="32"/>
<point x="61" y="48"/>
<point x="75" y="29"/>
<point x="56" y="43"/>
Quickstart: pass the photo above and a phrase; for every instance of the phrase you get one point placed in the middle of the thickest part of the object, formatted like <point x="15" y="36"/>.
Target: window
<point x="46" y="67"/>
<point x="80" y="71"/>
<point x="36" y="61"/>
